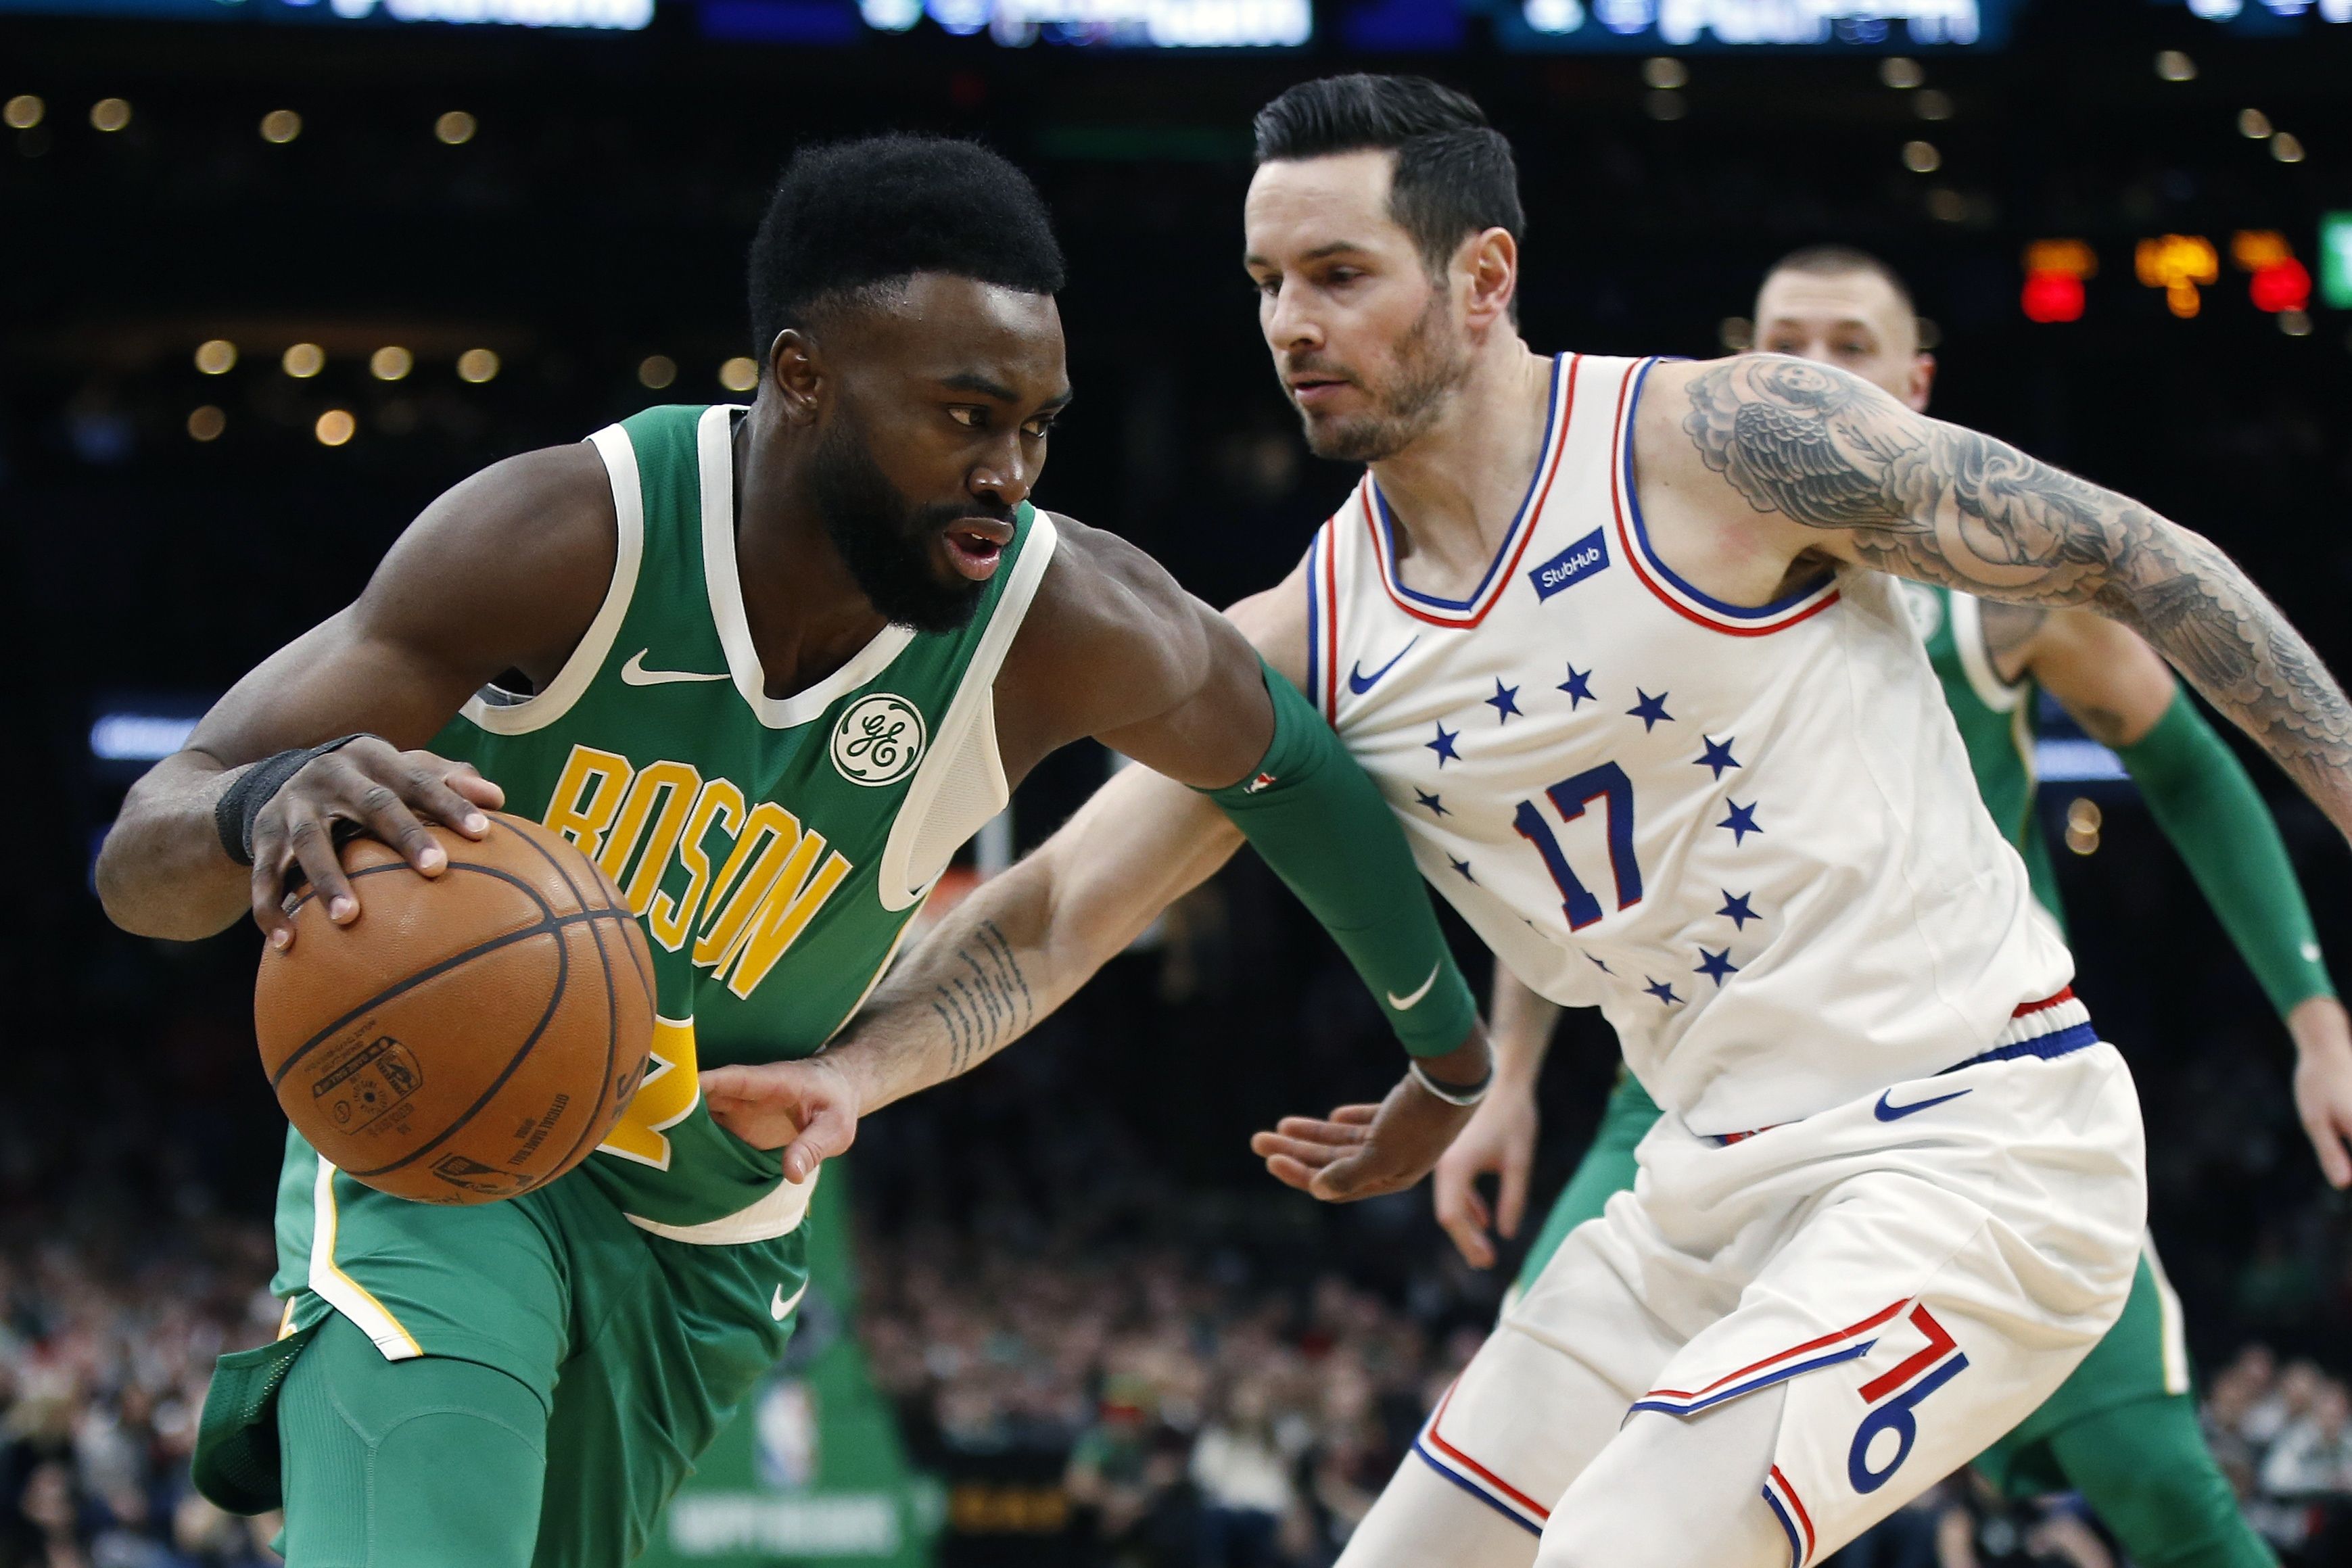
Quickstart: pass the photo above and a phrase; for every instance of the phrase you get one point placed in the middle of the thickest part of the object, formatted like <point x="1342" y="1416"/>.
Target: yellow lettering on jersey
<point x="758" y="860"/>
<point x="674" y="786"/>
<point x="588" y="796"/>
<point x="671" y="1089"/>
<point x="670" y="919"/>
<point x="786" y="910"/>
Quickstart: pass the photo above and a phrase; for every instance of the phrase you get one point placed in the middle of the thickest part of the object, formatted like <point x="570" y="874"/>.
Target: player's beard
<point x="1430" y="361"/>
<point x="887" y="542"/>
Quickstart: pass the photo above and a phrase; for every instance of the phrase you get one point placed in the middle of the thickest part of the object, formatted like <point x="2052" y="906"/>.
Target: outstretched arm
<point x="1021" y="944"/>
<point x="1017" y="948"/>
<point x="2197" y="790"/>
<point x="1853" y="474"/>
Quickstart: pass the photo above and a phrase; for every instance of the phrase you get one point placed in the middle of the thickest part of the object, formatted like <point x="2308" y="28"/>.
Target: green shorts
<point x="2144" y="1356"/>
<point x="638" y="1347"/>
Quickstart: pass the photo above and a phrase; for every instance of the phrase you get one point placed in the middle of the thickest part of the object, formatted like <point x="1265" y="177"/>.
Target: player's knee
<point x="1674" y="1490"/>
<point x="417" y="1464"/>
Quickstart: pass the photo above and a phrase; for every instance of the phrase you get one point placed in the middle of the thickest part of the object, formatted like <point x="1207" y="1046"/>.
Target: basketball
<point x="470" y="1036"/>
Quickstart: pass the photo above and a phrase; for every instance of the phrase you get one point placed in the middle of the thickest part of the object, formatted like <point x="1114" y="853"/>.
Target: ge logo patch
<point x="878" y="741"/>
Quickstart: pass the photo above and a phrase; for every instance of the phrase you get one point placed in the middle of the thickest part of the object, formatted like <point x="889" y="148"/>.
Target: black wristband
<point x="242" y="801"/>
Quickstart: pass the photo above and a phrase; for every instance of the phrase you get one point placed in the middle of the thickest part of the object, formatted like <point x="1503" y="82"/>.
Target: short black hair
<point x="849" y="216"/>
<point x="1454" y="174"/>
<point x="1839" y="261"/>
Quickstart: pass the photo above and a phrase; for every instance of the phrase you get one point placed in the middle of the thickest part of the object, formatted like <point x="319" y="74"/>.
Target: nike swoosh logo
<point x="780" y="1307"/>
<point x="1887" y="1112"/>
<point x="634" y="673"/>
<point x="1402" y="1003"/>
<point x="1359" y="683"/>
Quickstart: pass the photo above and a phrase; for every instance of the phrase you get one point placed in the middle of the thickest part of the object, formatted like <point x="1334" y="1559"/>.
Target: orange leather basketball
<point x="471" y="1035"/>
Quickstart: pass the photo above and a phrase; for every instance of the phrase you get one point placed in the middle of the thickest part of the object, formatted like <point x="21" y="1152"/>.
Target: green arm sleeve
<point x="1323" y="826"/>
<point x="2201" y="796"/>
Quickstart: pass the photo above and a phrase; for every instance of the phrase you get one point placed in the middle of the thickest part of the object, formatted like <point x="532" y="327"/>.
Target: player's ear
<point x="1922" y="379"/>
<point x="796" y="372"/>
<point x="1491" y="258"/>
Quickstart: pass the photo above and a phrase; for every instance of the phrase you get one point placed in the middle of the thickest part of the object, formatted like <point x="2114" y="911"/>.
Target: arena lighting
<point x="2287" y="147"/>
<point x="391" y="363"/>
<point x="656" y="372"/>
<point x="2336" y="260"/>
<point x="2253" y="124"/>
<point x="303" y="360"/>
<point x="2178" y="263"/>
<point x="335" y="427"/>
<point x="2280" y="283"/>
<point x="205" y="424"/>
<point x="476" y="365"/>
<point x="455" y="129"/>
<point x="109" y="114"/>
<point x="2054" y="271"/>
<point x="1901" y="73"/>
<point x="1665" y="72"/>
<point x="280" y="126"/>
<point x="23" y="112"/>
<point x="740" y="374"/>
<point x="2174" y="66"/>
<point x="1921" y="157"/>
<point x="138" y="736"/>
<point x="215" y="356"/>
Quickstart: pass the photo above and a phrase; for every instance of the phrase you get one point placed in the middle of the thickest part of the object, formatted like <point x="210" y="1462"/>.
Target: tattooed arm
<point x="1017" y="948"/>
<point x="1841" y="470"/>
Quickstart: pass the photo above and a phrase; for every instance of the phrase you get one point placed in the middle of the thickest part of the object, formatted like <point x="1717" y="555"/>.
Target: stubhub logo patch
<point x="1572" y="565"/>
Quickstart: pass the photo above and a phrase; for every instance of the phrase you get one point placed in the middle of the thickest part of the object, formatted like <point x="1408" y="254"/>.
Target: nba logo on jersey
<point x="1572" y="565"/>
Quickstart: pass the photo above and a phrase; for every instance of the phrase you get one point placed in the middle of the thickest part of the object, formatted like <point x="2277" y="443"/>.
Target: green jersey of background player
<point x="770" y="667"/>
<point x="2122" y="1429"/>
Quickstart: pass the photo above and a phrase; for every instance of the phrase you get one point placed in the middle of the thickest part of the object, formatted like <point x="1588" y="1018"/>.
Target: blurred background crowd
<point x="266" y="289"/>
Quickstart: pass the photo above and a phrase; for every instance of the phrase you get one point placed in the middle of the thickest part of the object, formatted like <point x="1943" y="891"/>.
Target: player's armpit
<point x="2103" y="674"/>
<point x="1842" y="469"/>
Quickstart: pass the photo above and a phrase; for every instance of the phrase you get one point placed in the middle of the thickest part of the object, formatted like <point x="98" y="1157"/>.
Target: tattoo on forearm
<point x="1932" y="501"/>
<point x="985" y="1004"/>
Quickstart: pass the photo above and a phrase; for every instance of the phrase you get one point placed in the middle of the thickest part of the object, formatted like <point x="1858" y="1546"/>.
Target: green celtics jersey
<point x="1996" y="720"/>
<point x="774" y="848"/>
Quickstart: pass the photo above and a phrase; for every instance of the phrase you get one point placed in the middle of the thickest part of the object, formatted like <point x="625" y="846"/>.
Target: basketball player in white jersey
<point x="1615" y="639"/>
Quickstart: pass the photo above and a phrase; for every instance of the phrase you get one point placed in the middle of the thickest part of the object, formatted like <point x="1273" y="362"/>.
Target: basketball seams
<point x="612" y="1002"/>
<point x="522" y="1052"/>
<point x="544" y="894"/>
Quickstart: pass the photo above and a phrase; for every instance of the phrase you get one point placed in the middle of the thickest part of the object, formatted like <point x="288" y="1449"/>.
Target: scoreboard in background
<point x="622" y="15"/>
<point x="2272" y="18"/>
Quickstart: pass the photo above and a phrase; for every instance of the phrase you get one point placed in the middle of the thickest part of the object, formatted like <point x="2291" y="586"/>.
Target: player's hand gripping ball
<point x="470" y="1036"/>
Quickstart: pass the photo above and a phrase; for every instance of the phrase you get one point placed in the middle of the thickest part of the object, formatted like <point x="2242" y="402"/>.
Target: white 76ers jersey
<point x="1750" y="836"/>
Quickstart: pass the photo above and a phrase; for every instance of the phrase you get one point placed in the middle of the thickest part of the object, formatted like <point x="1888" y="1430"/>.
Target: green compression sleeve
<point x="1321" y="824"/>
<point x="2201" y="796"/>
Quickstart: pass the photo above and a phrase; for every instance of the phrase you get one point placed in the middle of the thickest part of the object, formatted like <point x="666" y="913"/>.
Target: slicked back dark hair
<point x="1454" y="174"/>
<point x="1839" y="261"/>
<point x="851" y="216"/>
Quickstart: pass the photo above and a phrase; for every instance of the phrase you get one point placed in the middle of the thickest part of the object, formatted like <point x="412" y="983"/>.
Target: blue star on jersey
<point x="1716" y="965"/>
<point x="1742" y="820"/>
<point x="1505" y="702"/>
<point x="1649" y="710"/>
<point x="1663" y="991"/>
<point x="1424" y="798"/>
<point x="1443" y="744"/>
<point x="1577" y="687"/>
<point x="1599" y="965"/>
<point x="1461" y="866"/>
<point x="1735" y="909"/>
<point x="1718" y="754"/>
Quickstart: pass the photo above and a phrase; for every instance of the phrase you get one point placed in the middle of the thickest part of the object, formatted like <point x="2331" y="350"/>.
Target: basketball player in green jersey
<point x="768" y="667"/>
<point x="2123" y="1428"/>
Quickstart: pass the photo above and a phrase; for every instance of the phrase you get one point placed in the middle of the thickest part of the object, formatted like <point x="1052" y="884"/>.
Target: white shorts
<point x="1922" y="1269"/>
